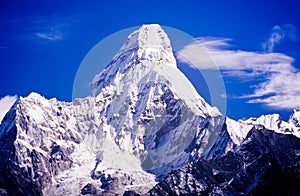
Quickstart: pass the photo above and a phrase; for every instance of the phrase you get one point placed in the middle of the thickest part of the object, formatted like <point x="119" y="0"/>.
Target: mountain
<point x="266" y="163"/>
<point x="144" y="130"/>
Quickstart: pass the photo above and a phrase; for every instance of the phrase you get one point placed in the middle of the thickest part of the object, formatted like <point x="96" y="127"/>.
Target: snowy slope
<point x="57" y="144"/>
<point x="5" y="104"/>
<point x="152" y="109"/>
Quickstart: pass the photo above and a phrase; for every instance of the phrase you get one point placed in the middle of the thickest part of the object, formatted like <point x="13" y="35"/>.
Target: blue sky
<point x="42" y="44"/>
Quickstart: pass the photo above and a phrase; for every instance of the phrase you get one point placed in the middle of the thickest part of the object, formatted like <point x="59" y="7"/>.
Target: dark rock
<point x="130" y="193"/>
<point x="89" y="189"/>
<point x="266" y="163"/>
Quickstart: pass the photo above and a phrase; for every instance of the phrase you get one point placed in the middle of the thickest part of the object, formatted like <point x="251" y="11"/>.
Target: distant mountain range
<point x="144" y="131"/>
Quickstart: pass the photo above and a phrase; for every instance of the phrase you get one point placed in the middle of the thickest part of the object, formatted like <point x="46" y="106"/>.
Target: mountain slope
<point x="265" y="163"/>
<point x="151" y="101"/>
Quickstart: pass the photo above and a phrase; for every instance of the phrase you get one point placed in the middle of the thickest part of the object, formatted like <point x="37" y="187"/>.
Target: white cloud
<point x="283" y="90"/>
<point x="5" y="104"/>
<point x="205" y="53"/>
<point x="276" y="76"/>
<point x="52" y="35"/>
<point x="42" y="28"/>
<point x="279" y="34"/>
<point x="52" y="29"/>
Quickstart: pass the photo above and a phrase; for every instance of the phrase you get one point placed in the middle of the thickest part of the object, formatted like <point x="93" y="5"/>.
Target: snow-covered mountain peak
<point x="274" y="122"/>
<point x="270" y="121"/>
<point x="34" y="95"/>
<point x="146" y="66"/>
<point x="149" y="43"/>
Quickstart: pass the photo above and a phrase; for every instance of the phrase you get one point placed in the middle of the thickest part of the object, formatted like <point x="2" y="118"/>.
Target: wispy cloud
<point x="5" y="104"/>
<point x="283" y="90"/>
<point x="274" y="73"/>
<point x="52" y="35"/>
<point x="278" y="35"/>
<point x="41" y="28"/>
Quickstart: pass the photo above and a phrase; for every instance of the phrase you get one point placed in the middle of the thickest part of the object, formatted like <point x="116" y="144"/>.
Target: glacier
<point x="143" y="122"/>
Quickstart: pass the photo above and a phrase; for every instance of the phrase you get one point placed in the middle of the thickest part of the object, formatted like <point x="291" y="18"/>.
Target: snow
<point x="296" y="114"/>
<point x="295" y="120"/>
<point x="113" y="156"/>
<point x="70" y="182"/>
<point x="151" y="43"/>
<point x="184" y="90"/>
<point x="237" y="130"/>
<point x="5" y="104"/>
<point x="275" y="123"/>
